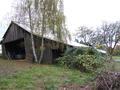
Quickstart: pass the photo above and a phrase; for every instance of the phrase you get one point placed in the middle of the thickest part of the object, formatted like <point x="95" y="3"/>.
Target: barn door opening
<point x="15" y="49"/>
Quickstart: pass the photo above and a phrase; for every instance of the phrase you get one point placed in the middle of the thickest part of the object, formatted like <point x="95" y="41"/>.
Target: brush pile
<point x="108" y="81"/>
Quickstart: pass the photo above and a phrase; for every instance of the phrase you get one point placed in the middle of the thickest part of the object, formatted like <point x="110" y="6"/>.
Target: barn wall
<point x="47" y="55"/>
<point x="28" y="47"/>
<point x="4" y="51"/>
<point x="14" y="33"/>
<point x="49" y="47"/>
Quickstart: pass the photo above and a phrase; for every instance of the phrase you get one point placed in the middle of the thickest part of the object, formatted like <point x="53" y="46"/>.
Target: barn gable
<point x="13" y="43"/>
<point x="14" y="32"/>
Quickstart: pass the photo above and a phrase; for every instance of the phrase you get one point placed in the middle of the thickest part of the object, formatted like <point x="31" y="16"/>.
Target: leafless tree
<point x="83" y="34"/>
<point x="111" y="36"/>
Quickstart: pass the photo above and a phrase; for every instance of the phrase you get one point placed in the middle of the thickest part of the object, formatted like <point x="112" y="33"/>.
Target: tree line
<point x="105" y="37"/>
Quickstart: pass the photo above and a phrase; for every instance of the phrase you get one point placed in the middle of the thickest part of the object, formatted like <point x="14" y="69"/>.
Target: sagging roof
<point x="70" y="43"/>
<point x="27" y="29"/>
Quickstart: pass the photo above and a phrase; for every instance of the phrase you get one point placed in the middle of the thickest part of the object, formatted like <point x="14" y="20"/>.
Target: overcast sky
<point x="78" y="12"/>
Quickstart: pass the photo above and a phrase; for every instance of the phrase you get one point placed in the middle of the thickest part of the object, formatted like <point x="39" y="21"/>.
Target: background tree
<point x="96" y="39"/>
<point x="83" y="35"/>
<point x="111" y="36"/>
<point x="106" y="37"/>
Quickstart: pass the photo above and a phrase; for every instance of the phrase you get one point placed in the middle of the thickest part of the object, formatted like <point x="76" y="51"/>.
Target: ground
<point x="116" y="58"/>
<point x="21" y="75"/>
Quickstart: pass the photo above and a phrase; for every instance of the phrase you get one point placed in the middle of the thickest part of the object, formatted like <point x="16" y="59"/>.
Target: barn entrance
<point x="15" y="49"/>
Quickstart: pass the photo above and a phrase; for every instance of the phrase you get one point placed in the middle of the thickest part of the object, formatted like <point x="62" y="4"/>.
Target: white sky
<point x="78" y="12"/>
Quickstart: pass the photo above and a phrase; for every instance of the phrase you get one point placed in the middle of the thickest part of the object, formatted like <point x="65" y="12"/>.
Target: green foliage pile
<point x="84" y="59"/>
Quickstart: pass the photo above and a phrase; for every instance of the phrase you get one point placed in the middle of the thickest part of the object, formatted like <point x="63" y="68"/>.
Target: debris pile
<point x="108" y="81"/>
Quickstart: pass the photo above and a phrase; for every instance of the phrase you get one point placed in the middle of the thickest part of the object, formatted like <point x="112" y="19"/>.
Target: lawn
<point x="113" y="66"/>
<point x="19" y="75"/>
<point x="116" y="57"/>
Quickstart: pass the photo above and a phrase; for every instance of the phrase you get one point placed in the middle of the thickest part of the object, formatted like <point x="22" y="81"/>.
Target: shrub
<point x="91" y="51"/>
<point x="88" y="62"/>
<point x="81" y="62"/>
<point x="68" y="61"/>
<point x="81" y="51"/>
<point x="69" y="51"/>
<point x="84" y="59"/>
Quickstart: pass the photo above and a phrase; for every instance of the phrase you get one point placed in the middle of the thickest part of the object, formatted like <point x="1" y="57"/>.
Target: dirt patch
<point x="75" y="87"/>
<point x="39" y="85"/>
<point x="11" y="67"/>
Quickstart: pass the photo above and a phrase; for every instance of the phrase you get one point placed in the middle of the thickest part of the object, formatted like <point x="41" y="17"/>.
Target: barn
<point x="16" y="45"/>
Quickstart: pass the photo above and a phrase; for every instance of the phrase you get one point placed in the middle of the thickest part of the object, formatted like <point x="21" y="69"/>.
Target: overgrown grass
<point x="112" y="66"/>
<point x="116" y="57"/>
<point x="43" y="77"/>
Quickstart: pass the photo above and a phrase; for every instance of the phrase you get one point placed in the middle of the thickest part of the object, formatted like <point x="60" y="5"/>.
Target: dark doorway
<point x="15" y="49"/>
<point x="56" y="53"/>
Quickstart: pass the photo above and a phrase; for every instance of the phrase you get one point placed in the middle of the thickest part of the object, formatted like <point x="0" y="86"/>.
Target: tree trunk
<point x="32" y="37"/>
<point x="42" y="50"/>
<point x="42" y="42"/>
<point x="33" y="48"/>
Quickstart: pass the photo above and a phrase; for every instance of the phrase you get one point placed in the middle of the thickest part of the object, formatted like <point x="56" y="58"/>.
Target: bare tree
<point x="111" y="36"/>
<point x="83" y="35"/>
<point x="96" y="38"/>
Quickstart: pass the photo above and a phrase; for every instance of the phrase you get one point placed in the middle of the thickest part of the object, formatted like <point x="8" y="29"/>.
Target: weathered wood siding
<point x="4" y="51"/>
<point x="47" y="55"/>
<point x="28" y="46"/>
<point x="14" y="33"/>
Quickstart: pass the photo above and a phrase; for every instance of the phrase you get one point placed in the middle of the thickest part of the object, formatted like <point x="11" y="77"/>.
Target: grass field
<point x="113" y="66"/>
<point x="19" y="75"/>
<point x="116" y="57"/>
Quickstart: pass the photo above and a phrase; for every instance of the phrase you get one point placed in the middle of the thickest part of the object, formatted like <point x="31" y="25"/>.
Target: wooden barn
<point x="16" y="44"/>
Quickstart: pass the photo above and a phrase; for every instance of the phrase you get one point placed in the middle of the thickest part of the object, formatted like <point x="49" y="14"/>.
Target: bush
<point x="81" y="62"/>
<point x="69" y="51"/>
<point x="81" y="51"/>
<point x="84" y="59"/>
<point x="88" y="62"/>
<point x="68" y="61"/>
